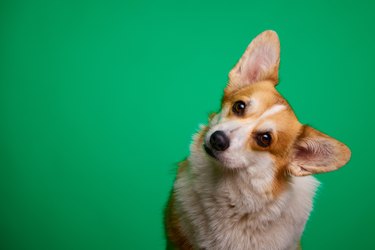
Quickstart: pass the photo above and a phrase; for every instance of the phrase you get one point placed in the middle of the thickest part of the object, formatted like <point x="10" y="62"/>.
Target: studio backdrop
<point x="99" y="101"/>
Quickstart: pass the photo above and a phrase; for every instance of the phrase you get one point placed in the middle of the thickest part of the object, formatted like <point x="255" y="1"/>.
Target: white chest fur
<point x="226" y="211"/>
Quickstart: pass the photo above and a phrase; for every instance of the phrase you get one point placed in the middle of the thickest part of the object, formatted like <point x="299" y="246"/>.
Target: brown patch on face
<point x="287" y="129"/>
<point x="284" y="131"/>
<point x="264" y="92"/>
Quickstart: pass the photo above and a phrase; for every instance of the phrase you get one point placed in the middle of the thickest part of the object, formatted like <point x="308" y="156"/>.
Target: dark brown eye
<point x="263" y="139"/>
<point x="239" y="108"/>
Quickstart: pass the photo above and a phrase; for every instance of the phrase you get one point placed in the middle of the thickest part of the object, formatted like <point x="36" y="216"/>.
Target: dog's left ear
<point x="315" y="152"/>
<point x="259" y="62"/>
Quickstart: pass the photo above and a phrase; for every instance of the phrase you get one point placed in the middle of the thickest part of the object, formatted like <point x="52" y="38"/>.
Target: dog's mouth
<point x="209" y="151"/>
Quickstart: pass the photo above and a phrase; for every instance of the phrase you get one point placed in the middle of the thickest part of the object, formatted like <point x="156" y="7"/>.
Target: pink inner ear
<point x="316" y="153"/>
<point x="259" y="63"/>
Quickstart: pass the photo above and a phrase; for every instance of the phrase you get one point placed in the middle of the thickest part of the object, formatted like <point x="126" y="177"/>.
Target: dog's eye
<point x="263" y="139"/>
<point x="239" y="108"/>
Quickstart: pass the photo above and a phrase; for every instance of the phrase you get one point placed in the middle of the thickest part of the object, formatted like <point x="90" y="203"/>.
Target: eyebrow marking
<point x="273" y="110"/>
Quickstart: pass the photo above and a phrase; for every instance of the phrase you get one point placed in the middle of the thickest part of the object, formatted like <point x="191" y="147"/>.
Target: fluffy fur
<point x="250" y="196"/>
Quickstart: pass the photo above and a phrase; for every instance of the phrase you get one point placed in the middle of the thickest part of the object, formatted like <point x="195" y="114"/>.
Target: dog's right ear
<point x="315" y="152"/>
<point x="259" y="62"/>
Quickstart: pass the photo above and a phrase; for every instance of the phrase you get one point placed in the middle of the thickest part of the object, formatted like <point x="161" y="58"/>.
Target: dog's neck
<point x="221" y="202"/>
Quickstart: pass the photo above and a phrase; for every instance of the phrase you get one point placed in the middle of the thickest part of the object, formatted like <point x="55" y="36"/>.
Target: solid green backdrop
<point x="99" y="100"/>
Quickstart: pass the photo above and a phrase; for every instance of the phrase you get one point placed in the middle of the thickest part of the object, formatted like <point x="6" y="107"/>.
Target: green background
<point x="98" y="101"/>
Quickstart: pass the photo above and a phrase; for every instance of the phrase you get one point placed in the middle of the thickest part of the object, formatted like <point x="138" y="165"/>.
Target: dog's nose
<point x="219" y="141"/>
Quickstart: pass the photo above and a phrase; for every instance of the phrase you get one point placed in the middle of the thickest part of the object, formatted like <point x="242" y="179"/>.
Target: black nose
<point x="219" y="141"/>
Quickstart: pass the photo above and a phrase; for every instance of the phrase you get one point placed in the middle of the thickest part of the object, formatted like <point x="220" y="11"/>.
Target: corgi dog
<point x="248" y="182"/>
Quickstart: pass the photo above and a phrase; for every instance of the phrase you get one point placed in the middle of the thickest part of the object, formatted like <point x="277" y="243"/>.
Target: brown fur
<point x="200" y="136"/>
<point x="182" y="166"/>
<point x="172" y="227"/>
<point x="172" y="223"/>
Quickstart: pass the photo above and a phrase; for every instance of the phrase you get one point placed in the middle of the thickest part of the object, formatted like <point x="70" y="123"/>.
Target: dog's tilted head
<point x="256" y="127"/>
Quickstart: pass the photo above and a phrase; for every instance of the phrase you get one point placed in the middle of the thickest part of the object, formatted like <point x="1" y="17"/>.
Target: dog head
<point x="257" y="127"/>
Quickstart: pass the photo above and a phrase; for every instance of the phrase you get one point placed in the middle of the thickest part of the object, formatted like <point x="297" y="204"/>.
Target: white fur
<point x="273" y="110"/>
<point x="223" y="209"/>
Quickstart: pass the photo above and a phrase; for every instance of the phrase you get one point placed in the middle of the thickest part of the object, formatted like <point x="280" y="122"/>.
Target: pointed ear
<point x="315" y="152"/>
<point x="259" y="62"/>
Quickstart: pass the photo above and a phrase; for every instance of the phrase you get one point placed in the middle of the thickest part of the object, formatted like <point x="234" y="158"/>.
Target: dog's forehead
<point x="263" y="95"/>
<point x="266" y="110"/>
